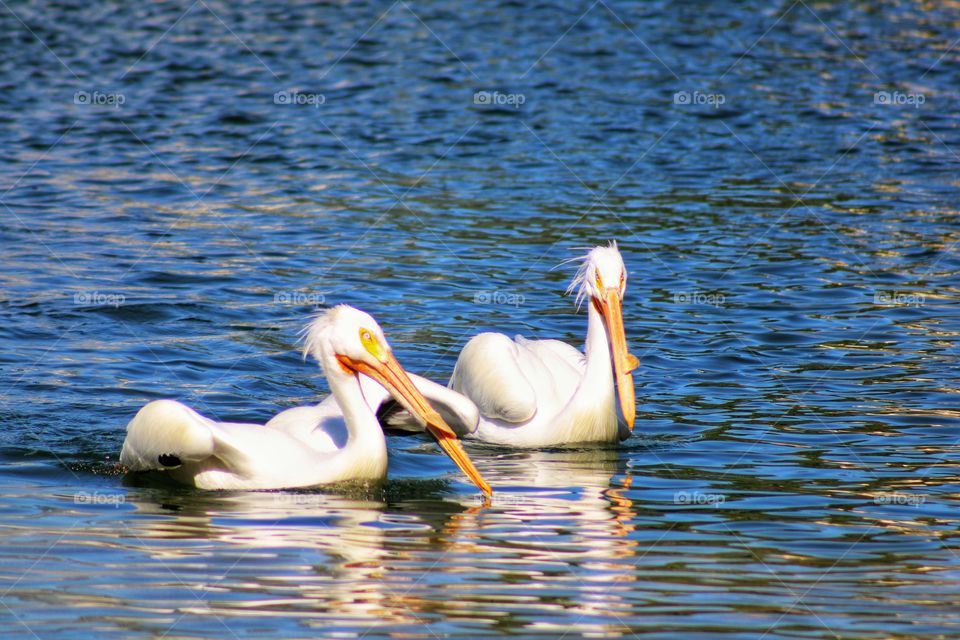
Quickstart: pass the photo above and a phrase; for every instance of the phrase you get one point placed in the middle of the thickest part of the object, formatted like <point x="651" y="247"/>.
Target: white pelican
<point x="535" y="393"/>
<point x="336" y="440"/>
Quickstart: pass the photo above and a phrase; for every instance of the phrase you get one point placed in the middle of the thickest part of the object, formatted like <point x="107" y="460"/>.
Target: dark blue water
<point x="781" y="178"/>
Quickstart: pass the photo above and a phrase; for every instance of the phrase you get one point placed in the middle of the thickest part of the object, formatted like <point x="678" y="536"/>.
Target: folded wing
<point x="166" y="434"/>
<point x="490" y="371"/>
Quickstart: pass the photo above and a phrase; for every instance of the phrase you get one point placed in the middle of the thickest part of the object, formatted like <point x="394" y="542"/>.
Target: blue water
<point x="781" y="178"/>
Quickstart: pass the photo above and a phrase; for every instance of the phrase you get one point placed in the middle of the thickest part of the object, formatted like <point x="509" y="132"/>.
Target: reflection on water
<point x="603" y="541"/>
<point x="324" y="560"/>
<point x="337" y="546"/>
<point x="792" y="256"/>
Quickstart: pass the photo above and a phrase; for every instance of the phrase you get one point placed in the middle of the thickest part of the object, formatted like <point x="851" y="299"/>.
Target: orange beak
<point x="394" y="379"/>
<point x="623" y="361"/>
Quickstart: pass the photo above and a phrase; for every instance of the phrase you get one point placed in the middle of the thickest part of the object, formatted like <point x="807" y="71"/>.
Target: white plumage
<point x="336" y="440"/>
<point x="533" y="393"/>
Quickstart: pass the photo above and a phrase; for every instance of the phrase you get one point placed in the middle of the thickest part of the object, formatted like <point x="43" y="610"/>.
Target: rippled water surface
<point x="781" y="177"/>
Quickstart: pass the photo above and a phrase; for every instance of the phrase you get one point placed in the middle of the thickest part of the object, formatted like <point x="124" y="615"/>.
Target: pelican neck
<point x="598" y="375"/>
<point x="362" y="427"/>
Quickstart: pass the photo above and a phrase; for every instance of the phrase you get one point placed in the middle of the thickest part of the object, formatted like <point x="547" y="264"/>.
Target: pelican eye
<point x="599" y="282"/>
<point x="371" y="344"/>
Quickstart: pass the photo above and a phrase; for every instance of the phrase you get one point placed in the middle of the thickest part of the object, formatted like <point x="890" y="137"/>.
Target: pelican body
<point x="337" y="440"/>
<point x="536" y="393"/>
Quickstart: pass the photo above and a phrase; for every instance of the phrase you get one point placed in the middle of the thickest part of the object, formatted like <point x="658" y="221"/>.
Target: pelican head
<point x="602" y="279"/>
<point x="348" y="342"/>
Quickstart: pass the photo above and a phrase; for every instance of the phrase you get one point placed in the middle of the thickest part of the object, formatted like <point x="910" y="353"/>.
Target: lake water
<point x="184" y="184"/>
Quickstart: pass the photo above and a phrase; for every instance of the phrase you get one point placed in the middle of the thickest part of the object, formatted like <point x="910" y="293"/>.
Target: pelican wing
<point x="322" y="425"/>
<point x="493" y="371"/>
<point x="456" y="409"/>
<point x="166" y="434"/>
<point x="565" y="363"/>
